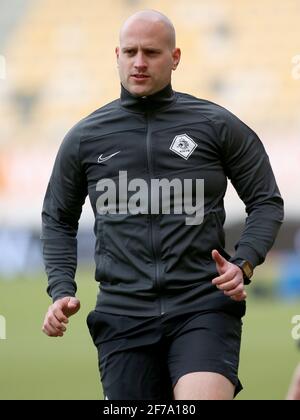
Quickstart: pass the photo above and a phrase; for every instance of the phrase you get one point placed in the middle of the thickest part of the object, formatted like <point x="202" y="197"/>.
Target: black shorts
<point x="143" y="358"/>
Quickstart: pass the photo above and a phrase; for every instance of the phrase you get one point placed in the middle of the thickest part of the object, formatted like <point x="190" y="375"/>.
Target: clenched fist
<point x="231" y="279"/>
<point x="58" y="314"/>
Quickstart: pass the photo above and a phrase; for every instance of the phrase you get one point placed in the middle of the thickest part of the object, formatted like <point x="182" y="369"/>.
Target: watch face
<point x="247" y="269"/>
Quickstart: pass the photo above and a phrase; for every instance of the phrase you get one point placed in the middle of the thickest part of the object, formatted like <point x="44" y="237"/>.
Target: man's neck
<point x="157" y="100"/>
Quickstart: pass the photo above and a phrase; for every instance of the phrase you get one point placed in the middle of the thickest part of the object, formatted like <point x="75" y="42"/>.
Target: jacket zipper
<point x="153" y="235"/>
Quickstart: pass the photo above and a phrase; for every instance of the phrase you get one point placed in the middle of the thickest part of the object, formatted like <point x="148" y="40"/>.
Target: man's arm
<point x="62" y="208"/>
<point x="247" y="165"/>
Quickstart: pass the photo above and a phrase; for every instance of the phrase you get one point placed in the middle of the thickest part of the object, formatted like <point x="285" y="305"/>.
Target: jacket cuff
<point x="61" y="289"/>
<point x="245" y="252"/>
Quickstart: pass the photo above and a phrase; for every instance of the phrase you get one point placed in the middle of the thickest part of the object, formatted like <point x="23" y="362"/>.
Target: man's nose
<point x="140" y="62"/>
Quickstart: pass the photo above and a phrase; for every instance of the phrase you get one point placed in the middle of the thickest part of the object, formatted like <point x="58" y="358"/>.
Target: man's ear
<point x="117" y="51"/>
<point x="176" y="57"/>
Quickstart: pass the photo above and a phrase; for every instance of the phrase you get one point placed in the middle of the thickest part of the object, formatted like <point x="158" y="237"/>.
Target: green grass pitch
<point x="33" y="366"/>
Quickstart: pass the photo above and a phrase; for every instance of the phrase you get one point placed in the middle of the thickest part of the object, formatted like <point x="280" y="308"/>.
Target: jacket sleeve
<point x="248" y="167"/>
<point x="65" y="195"/>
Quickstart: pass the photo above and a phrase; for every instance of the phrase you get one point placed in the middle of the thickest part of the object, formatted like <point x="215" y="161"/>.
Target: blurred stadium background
<point x="57" y="64"/>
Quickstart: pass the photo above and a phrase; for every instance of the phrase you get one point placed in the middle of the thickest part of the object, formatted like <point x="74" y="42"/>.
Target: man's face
<point x="145" y="57"/>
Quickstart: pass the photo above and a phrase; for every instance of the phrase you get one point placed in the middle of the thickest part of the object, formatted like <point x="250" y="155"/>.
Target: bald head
<point x="147" y="54"/>
<point x="151" y="17"/>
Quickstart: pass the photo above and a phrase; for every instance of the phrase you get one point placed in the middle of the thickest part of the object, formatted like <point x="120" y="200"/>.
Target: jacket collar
<point x="147" y="103"/>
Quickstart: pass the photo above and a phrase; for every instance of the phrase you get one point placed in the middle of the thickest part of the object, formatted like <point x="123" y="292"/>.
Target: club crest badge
<point x="183" y="145"/>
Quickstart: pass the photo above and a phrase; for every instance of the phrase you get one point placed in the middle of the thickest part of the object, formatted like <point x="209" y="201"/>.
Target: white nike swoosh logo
<point x="101" y="159"/>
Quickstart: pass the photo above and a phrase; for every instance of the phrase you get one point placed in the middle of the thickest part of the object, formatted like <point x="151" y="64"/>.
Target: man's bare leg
<point x="203" y="386"/>
<point x="294" y="389"/>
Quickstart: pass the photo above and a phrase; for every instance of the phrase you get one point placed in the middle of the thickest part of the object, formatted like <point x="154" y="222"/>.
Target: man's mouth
<point x="140" y="76"/>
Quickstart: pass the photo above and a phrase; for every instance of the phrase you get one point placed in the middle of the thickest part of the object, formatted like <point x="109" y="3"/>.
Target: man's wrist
<point x="246" y="267"/>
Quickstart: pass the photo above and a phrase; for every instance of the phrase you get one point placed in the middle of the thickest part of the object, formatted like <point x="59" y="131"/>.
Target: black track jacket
<point x="151" y="264"/>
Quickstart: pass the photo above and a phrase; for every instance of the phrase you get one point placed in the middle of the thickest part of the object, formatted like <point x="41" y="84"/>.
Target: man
<point x="167" y="322"/>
